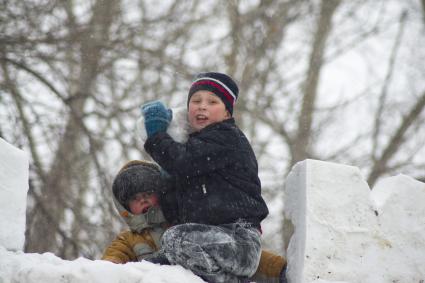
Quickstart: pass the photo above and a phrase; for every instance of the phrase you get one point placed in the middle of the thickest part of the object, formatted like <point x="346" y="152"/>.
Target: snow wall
<point x="14" y="168"/>
<point x="343" y="231"/>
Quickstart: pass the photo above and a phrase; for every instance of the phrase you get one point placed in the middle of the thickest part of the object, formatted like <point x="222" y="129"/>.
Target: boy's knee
<point x="173" y="237"/>
<point x="171" y="234"/>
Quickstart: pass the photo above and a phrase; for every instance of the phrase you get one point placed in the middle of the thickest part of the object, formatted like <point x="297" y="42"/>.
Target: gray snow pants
<point x="221" y="254"/>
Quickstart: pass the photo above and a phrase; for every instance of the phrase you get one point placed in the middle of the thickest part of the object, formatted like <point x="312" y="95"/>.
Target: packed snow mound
<point x="37" y="268"/>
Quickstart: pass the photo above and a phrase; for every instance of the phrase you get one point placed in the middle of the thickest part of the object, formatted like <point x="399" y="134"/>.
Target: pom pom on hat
<point x="220" y="84"/>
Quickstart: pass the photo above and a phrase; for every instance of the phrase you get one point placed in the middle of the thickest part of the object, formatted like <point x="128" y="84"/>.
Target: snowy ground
<point x="40" y="268"/>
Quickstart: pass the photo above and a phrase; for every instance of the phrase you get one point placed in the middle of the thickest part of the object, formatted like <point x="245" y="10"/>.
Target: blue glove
<point x="157" y="117"/>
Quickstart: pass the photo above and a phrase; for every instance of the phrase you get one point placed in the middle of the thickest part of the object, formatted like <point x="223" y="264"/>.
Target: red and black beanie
<point x="220" y="84"/>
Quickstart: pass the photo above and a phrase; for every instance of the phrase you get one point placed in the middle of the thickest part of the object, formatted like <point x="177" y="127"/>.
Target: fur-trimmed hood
<point x="138" y="176"/>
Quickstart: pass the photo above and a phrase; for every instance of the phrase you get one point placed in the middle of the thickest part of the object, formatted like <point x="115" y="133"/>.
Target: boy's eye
<point x="214" y="101"/>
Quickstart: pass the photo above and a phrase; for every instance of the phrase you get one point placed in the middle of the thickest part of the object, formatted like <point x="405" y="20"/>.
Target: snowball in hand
<point x="178" y="129"/>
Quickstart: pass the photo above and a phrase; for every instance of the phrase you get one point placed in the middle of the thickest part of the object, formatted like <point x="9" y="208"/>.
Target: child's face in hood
<point x="141" y="202"/>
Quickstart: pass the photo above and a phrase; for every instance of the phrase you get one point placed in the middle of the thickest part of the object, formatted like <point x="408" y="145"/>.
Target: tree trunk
<point x="59" y="186"/>
<point x="301" y="148"/>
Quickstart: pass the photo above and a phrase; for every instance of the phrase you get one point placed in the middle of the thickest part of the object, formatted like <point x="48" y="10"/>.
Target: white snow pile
<point x="13" y="196"/>
<point x="40" y="268"/>
<point x="346" y="232"/>
<point x="343" y="232"/>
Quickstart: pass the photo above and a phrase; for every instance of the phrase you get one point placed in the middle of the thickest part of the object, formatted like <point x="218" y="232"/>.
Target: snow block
<point x="14" y="167"/>
<point x="328" y="206"/>
<point x="400" y="204"/>
<point x="344" y="232"/>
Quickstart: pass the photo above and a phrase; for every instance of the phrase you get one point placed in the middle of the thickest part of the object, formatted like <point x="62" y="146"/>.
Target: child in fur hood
<point x="216" y="183"/>
<point x="138" y="191"/>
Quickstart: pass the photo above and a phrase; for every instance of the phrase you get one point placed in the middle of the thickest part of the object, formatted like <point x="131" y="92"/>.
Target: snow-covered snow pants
<point x="224" y="253"/>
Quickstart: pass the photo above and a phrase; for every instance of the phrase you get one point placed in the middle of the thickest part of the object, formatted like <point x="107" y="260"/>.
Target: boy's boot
<point x="283" y="275"/>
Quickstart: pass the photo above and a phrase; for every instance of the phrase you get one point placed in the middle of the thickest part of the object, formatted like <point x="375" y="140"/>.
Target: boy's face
<point x="206" y="108"/>
<point x="141" y="202"/>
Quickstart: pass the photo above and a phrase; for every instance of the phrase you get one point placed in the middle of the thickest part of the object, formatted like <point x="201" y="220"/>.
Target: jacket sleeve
<point x="121" y="249"/>
<point x="270" y="267"/>
<point x="168" y="202"/>
<point x="199" y="155"/>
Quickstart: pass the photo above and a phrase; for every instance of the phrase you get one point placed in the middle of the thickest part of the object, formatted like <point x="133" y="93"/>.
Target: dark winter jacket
<point x="216" y="174"/>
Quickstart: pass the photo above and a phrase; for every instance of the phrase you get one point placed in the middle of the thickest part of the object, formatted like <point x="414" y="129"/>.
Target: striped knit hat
<point x="220" y="84"/>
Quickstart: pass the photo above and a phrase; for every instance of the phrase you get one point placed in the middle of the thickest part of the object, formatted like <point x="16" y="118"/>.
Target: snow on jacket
<point x="216" y="174"/>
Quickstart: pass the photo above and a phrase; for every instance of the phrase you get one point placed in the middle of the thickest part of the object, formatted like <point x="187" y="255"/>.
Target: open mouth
<point x="144" y="210"/>
<point x="201" y="118"/>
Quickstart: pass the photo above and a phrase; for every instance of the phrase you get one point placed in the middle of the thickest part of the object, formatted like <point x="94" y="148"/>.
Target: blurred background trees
<point x="340" y="81"/>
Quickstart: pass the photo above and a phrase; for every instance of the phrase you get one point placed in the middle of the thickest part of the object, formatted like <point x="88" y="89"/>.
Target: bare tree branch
<point x="386" y="84"/>
<point x="17" y="98"/>
<point x="396" y="141"/>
